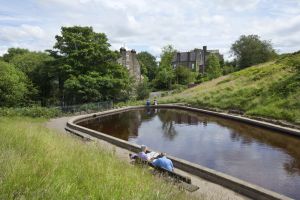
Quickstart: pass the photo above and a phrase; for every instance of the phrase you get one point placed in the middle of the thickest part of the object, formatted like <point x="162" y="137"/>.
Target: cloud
<point x="151" y="24"/>
<point x="24" y="31"/>
<point x="237" y="5"/>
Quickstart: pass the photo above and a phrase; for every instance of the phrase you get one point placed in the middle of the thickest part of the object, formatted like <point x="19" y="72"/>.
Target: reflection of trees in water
<point x="123" y="125"/>
<point x="248" y="134"/>
<point x="167" y="119"/>
<point x="148" y="114"/>
<point x="171" y="117"/>
<point x="244" y="133"/>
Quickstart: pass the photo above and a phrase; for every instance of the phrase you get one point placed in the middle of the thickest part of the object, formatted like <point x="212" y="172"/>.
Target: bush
<point x="142" y="90"/>
<point x="34" y="111"/>
<point x="14" y="85"/>
<point x="178" y="88"/>
<point x="184" y="75"/>
<point x="227" y="69"/>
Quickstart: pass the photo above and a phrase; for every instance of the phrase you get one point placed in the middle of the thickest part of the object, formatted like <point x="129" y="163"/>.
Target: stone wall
<point x="129" y="60"/>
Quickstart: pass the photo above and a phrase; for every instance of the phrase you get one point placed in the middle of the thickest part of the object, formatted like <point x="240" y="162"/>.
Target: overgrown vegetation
<point x="36" y="163"/>
<point x="251" y="50"/>
<point x="79" y="69"/>
<point x="34" y="111"/>
<point x="269" y="90"/>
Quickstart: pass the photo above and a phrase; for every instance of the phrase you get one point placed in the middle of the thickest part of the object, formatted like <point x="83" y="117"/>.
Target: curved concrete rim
<point x="235" y="184"/>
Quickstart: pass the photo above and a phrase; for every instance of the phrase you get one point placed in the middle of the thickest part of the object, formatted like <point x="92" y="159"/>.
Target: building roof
<point x="184" y="56"/>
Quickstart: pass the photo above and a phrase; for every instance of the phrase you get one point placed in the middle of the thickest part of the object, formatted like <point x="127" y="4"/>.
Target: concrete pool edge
<point x="235" y="184"/>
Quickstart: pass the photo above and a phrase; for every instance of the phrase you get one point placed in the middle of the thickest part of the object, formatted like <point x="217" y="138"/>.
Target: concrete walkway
<point x="208" y="190"/>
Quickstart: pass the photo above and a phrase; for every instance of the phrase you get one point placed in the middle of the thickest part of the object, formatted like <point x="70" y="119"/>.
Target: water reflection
<point x="260" y="156"/>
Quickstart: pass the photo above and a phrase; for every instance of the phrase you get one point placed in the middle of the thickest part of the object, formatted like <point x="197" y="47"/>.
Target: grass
<point x="269" y="90"/>
<point x="37" y="163"/>
<point x="33" y="111"/>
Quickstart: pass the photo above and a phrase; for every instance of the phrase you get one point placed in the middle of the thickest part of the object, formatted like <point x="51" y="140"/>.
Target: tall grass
<point x="36" y="163"/>
<point x="269" y="90"/>
<point x="34" y="111"/>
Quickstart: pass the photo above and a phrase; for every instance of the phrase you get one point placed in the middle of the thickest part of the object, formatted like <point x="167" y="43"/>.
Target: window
<point x="193" y="66"/>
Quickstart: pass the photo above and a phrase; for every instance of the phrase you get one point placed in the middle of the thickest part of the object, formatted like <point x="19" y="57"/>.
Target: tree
<point x="11" y="52"/>
<point x="96" y="87"/>
<point x="36" y="66"/>
<point x="148" y="64"/>
<point x="164" y="78"/>
<point x="213" y="69"/>
<point x="143" y="89"/>
<point x="184" y="75"/>
<point x="14" y="86"/>
<point x="251" y="50"/>
<point x="167" y="55"/>
<point x="165" y="74"/>
<point x="82" y="54"/>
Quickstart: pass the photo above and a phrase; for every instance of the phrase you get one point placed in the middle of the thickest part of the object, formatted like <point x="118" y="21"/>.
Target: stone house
<point x="129" y="60"/>
<point x="195" y="59"/>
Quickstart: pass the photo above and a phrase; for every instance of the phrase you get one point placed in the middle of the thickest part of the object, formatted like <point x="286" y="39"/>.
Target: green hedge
<point x="35" y="111"/>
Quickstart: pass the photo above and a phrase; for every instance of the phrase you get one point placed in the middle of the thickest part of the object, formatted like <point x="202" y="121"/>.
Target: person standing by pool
<point x="148" y="102"/>
<point x="164" y="162"/>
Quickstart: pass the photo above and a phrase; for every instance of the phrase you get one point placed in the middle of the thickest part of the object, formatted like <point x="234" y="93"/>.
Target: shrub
<point x="178" y="88"/>
<point x="35" y="111"/>
<point x="142" y="90"/>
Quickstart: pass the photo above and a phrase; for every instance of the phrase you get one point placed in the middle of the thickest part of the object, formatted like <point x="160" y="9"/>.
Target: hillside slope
<point x="269" y="90"/>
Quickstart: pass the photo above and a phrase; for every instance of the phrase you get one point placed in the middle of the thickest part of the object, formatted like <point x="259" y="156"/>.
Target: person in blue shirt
<point x="148" y="102"/>
<point x="163" y="162"/>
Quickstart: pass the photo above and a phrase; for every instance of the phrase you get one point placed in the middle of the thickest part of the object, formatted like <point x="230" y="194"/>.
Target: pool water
<point x="260" y="156"/>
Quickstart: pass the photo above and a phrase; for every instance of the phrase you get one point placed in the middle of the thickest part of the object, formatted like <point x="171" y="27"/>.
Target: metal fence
<point x="87" y="107"/>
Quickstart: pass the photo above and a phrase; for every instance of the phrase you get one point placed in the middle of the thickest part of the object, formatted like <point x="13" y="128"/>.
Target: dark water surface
<point x="259" y="156"/>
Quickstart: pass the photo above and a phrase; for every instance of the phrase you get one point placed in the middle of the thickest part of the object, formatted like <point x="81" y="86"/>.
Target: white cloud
<point x="23" y="32"/>
<point x="237" y="5"/>
<point x="151" y="24"/>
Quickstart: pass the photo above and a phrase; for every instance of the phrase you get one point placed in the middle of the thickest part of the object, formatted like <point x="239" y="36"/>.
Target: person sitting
<point x="164" y="162"/>
<point x="142" y="154"/>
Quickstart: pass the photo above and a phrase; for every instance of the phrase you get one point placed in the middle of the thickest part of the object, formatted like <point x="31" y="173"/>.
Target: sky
<point x="148" y="25"/>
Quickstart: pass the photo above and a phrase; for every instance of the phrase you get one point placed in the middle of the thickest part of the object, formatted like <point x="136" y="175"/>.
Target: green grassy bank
<point x="269" y="90"/>
<point x="37" y="163"/>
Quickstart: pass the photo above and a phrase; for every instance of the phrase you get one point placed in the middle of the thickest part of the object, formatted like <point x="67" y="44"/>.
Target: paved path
<point x="208" y="190"/>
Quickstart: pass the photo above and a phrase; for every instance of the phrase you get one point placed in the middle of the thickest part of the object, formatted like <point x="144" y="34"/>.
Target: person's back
<point x="164" y="162"/>
<point x="142" y="155"/>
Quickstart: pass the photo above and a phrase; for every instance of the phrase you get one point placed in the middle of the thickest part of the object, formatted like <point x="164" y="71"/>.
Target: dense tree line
<point x="81" y="68"/>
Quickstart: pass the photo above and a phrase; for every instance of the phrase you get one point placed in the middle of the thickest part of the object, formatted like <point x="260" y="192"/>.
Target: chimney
<point x="178" y="57"/>
<point x="204" y="58"/>
<point x="123" y="55"/>
<point x="122" y="49"/>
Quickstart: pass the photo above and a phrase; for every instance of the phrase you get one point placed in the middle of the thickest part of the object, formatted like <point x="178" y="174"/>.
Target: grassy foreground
<point x="268" y="90"/>
<point x="36" y="163"/>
